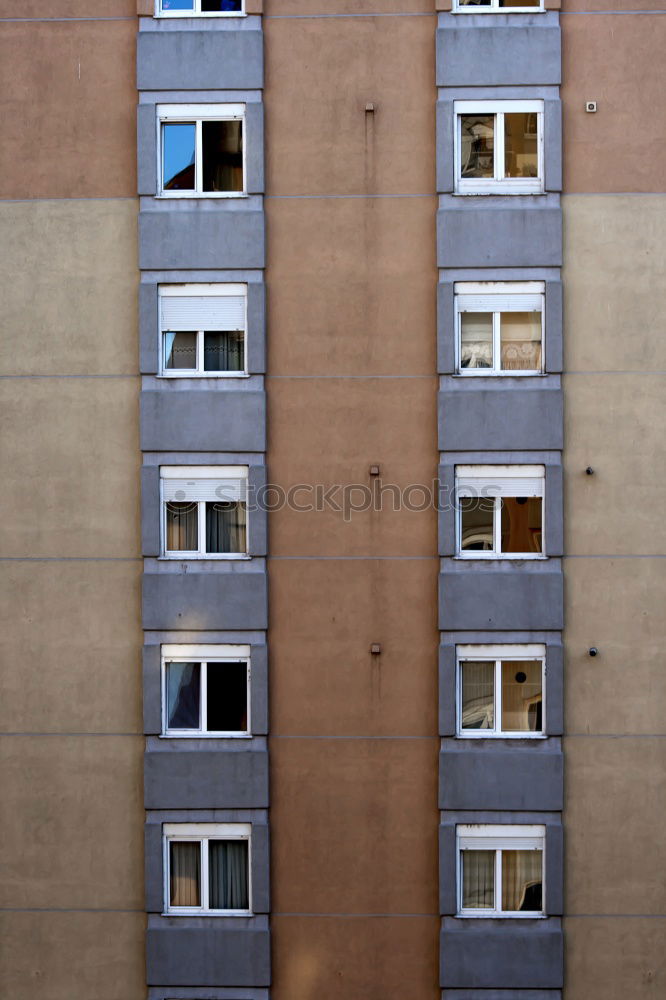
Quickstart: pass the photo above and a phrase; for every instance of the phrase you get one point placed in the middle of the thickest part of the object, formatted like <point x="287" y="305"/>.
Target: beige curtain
<point x="185" y="874"/>
<point x="521" y="880"/>
<point x="478" y="871"/>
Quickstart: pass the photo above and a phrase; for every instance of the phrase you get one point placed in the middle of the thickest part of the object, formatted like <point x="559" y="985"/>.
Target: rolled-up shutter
<point x="504" y="484"/>
<point x="226" y="490"/>
<point x="203" y="312"/>
<point x="500" y="303"/>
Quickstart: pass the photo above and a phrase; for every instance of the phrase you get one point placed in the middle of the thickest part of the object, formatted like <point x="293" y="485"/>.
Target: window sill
<point x="482" y="734"/>
<point x="202" y="196"/>
<point x="205" y="736"/>
<point x="491" y="557"/>
<point x="185" y="373"/>
<point x="184" y="14"/>
<point x="489" y="373"/>
<point x="200" y="557"/>
<point x="185" y="912"/>
<point x="501" y="916"/>
<point x="501" y="189"/>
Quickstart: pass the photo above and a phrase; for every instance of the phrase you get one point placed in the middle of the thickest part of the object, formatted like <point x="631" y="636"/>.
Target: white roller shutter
<point x="203" y="312"/>
<point x="500" y="481"/>
<point x="226" y="490"/>
<point x="499" y="303"/>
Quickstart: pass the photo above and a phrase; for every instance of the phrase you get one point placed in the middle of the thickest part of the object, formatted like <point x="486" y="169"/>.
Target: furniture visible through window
<point x="202" y="150"/>
<point x="499" y="327"/>
<point x="199" y="8"/>
<point x="204" y="511"/>
<point x="500" y="691"/>
<point x="499" y="147"/>
<point x="202" y="330"/>
<point x="207" y="868"/>
<point x="500" y="871"/>
<point x="499" y="511"/>
<point x="206" y="690"/>
<point x="503" y="6"/>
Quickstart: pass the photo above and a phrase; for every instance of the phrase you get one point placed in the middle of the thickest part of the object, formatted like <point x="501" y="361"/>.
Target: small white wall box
<point x="591" y="106"/>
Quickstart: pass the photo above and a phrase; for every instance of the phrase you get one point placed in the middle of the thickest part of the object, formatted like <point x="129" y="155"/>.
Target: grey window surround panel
<point x="147" y="158"/>
<point x="203" y="419"/>
<point x="501" y="774"/>
<point x="152" y="695"/>
<point x="196" y="779"/>
<point x="553" y="508"/>
<point x="205" y="233"/>
<point x="205" y="601"/>
<point x="149" y="337"/>
<point x="514" y="49"/>
<point x="501" y="596"/>
<point x="486" y="414"/>
<point x="199" y="59"/>
<point x="210" y="993"/>
<point x="552" y="147"/>
<point x="151" y="514"/>
<point x="490" y="231"/>
<point x="184" y="955"/>
<point x="494" y="995"/>
<point x="512" y="954"/>
<point x="154" y="880"/>
<point x="447" y="332"/>
<point x="554" y="698"/>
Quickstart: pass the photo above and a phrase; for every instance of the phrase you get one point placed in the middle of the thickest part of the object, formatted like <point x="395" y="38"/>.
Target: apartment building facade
<point x="332" y="637"/>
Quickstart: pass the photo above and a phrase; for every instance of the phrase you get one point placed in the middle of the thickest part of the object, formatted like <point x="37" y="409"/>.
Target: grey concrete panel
<point x="261" y="901"/>
<point x="498" y="995"/>
<point x="152" y="690"/>
<point x="146" y="130"/>
<point x="257" y="513"/>
<point x="208" y="233"/>
<point x="446" y="329"/>
<point x="554" y="510"/>
<point x="173" y="419"/>
<point x="500" y="595"/>
<point x="444" y="126"/>
<point x="259" y="689"/>
<point x="500" y="413"/>
<point x="221" y="993"/>
<point x="552" y="135"/>
<point x="554" y="689"/>
<point x="510" y="50"/>
<point x="447" y="514"/>
<point x="484" y="231"/>
<point x="149" y="351"/>
<point x="447" y="689"/>
<point x="254" y="145"/>
<point x="256" y="328"/>
<point x="150" y="510"/>
<point x="153" y="861"/>
<point x="176" y="777"/>
<point x="554" y="326"/>
<point x="199" y="60"/>
<point x="448" y="868"/>
<point x="202" y="601"/>
<point x="501" y="774"/>
<point x="212" y="954"/>
<point x="507" y="954"/>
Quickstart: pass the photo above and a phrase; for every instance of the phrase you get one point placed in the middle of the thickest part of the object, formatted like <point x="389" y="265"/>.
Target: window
<point x="485" y="6"/>
<point x="500" y="871"/>
<point x="499" y="327"/>
<point x="501" y="691"/>
<point x="499" y="510"/>
<point x="199" y="8"/>
<point x="204" y="511"/>
<point x="207" y="868"/>
<point x="202" y="330"/>
<point x="499" y="147"/>
<point x="206" y="690"/>
<point x="201" y="150"/>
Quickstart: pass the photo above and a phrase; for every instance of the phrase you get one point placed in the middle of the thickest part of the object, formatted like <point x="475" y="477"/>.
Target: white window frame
<point x="498" y="297"/>
<point x="197" y="12"/>
<point x="195" y="114"/>
<point x="203" y="654"/>
<point x="497" y="837"/>
<point x="499" y="184"/>
<point x="220" y="472"/>
<point x="486" y="474"/>
<point x="498" y="653"/>
<point x="202" y="833"/>
<point x="220" y="289"/>
<point x="494" y="8"/>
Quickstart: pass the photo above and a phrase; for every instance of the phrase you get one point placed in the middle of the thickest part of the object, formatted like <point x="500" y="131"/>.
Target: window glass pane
<point x="520" y="339"/>
<point x="182" y="520"/>
<point x="521" y="880"/>
<point x="209" y="6"/>
<point x="224" y="351"/>
<point x="226" y="524"/>
<point x="222" y="156"/>
<point x="521" y="696"/>
<point x="474" y="3"/>
<point x="478" y="874"/>
<point x="521" y="524"/>
<point x="476" y="340"/>
<point x="227" y="697"/>
<point x="177" y="4"/>
<point x="228" y="869"/>
<point x="476" y="515"/>
<point x="180" y="350"/>
<point x="520" y="144"/>
<point x="519" y="3"/>
<point x="183" y="682"/>
<point x="478" y="684"/>
<point x="178" y="146"/>
<point x="184" y="873"/>
<point x="477" y="145"/>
